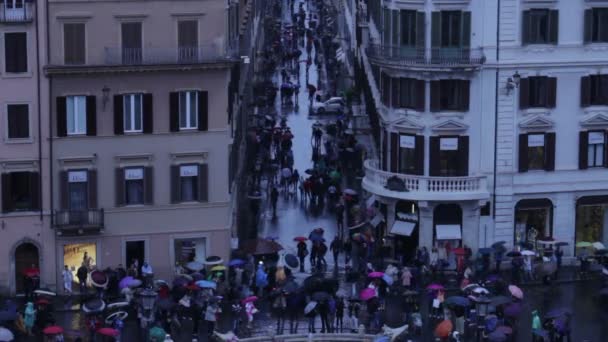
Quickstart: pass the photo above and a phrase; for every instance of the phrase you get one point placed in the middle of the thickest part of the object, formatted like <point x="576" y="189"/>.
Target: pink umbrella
<point x="375" y="275"/>
<point x="435" y="287"/>
<point x="516" y="292"/>
<point x="367" y="294"/>
<point x="250" y="299"/>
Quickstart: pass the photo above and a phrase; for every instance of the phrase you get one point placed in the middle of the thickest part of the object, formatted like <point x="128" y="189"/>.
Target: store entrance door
<point x="135" y="250"/>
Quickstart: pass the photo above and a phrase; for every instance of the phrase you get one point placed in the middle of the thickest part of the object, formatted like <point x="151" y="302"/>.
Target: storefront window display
<point x="76" y="254"/>
<point x="187" y="250"/>
<point x="591" y="220"/>
<point x="532" y="222"/>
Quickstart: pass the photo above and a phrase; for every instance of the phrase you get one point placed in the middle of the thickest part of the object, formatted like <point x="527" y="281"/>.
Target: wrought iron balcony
<point x="423" y="188"/>
<point x="10" y="14"/>
<point x="79" y="222"/>
<point x="403" y="56"/>
<point x="158" y="56"/>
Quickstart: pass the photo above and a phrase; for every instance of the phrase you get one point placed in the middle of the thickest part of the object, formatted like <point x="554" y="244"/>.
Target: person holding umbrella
<point x="336" y="247"/>
<point x="302" y="253"/>
<point x="82" y="274"/>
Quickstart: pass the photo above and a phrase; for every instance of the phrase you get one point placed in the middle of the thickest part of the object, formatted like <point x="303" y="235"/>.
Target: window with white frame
<point x="595" y="149"/>
<point x="132" y="110"/>
<point x="188" y="179"/>
<point x="134" y="186"/>
<point x="188" y="110"/>
<point x="76" y="115"/>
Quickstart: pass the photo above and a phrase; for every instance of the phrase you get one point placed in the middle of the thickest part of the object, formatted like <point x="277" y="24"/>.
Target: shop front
<point x="79" y="253"/>
<point x="533" y="221"/>
<point x="404" y="231"/>
<point x="447" y="222"/>
<point x="591" y="219"/>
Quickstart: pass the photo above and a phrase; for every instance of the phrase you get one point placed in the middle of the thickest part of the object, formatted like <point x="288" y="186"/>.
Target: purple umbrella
<point x="513" y="310"/>
<point x="197" y="276"/>
<point x="180" y="281"/>
<point x="236" y="262"/>
<point x="124" y="283"/>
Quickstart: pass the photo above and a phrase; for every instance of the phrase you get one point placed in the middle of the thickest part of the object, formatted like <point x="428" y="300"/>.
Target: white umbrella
<point x="195" y="266"/>
<point x="547" y="242"/>
<point x="598" y="245"/>
<point x="470" y="286"/>
<point x="309" y="307"/>
<point x="527" y="253"/>
<point x="480" y="290"/>
<point x="45" y="292"/>
<point x="6" y="335"/>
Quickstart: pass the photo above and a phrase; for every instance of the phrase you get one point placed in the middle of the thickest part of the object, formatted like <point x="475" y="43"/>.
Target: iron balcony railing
<point x="443" y="57"/>
<point x="10" y="14"/>
<point x="79" y="219"/>
<point x="175" y="55"/>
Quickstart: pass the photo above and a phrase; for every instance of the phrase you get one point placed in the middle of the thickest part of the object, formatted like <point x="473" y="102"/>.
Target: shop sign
<point x="448" y="144"/>
<point x="596" y="138"/>
<point x="188" y="171"/>
<point x="134" y="174"/>
<point x="407" y="141"/>
<point x="77" y="176"/>
<point x="536" y="140"/>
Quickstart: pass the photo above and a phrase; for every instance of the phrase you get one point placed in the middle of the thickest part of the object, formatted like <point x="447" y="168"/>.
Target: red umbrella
<point x="42" y="301"/>
<point x="444" y="329"/>
<point x="435" y="287"/>
<point x="31" y="272"/>
<point x="192" y="287"/>
<point x="300" y="239"/>
<point x="367" y="294"/>
<point x="108" y="332"/>
<point x="459" y="251"/>
<point x="52" y="330"/>
<point x="250" y="299"/>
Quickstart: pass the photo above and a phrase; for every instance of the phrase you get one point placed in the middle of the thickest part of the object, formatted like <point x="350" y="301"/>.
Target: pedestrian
<point x="211" y="313"/>
<point x="323" y="308"/>
<point x="321" y="262"/>
<point x="558" y="259"/>
<point x="340" y="217"/>
<point x="339" y="326"/>
<point x="354" y="308"/>
<point x="147" y="273"/>
<point x="29" y="317"/>
<point x="406" y="277"/>
<point x="68" y="278"/>
<point x="336" y="247"/>
<point x="302" y="253"/>
<point x="516" y="265"/>
<point x="348" y="248"/>
<point x="82" y="274"/>
<point x="294" y="303"/>
<point x="313" y="255"/>
<point x="536" y="324"/>
<point x="311" y="320"/>
<point x="274" y="197"/>
<point x="498" y="255"/>
<point x="529" y="275"/>
<point x="280" y="307"/>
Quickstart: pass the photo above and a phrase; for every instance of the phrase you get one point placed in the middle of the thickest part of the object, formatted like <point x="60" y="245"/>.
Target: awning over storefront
<point x="404" y="228"/>
<point x="448" y="232"/>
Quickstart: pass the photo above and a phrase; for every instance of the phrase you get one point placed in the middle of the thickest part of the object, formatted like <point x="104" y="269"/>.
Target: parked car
<point x="333" y="105"/>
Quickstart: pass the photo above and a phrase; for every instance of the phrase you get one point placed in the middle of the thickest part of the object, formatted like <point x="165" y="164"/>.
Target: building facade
<point x="140" y="132"/>
<point x="552" y="121"/>
<point x="24" y="218"/>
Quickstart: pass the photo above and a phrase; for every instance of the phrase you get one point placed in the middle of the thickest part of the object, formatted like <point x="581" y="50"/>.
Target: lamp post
<point x="147" y="299"/>
<point x="481" y="307"/>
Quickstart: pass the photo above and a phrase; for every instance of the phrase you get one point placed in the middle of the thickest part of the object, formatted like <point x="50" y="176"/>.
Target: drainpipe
<point x="39" y="107"/>
<point x="50" y="106"/>
<point x="496" y="107"/>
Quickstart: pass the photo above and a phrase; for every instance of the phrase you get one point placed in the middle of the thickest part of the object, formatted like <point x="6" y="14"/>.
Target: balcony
<point x="401" y="57"/>
<point x="14" y="14"/>
<point x="79" y="222"/>
<point x="422" y="188"/>
<point x="156" y="56"/>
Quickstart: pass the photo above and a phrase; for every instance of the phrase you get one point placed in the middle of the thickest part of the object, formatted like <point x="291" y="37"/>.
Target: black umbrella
<point x="558" y="313"/>
<point x="8" y="315"/>
<point x="500" y="300"/>
<point x="320" y="296"/>
<point x="514" y="254"/>
<point x="94" y="306"/>
<point x="165" y="303"/>
<point x="313" y="283"/>
<point x="601" y="252"/>
<point x="291" y="287"/>
<point x="498" y="244"/>
<point x="292" y="261"/>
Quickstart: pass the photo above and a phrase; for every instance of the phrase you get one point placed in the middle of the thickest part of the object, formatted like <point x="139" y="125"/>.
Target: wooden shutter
<point x="74" y="43"/>
<point x="92" y="183"/>
<point x="62" y="115"/>
<point x="525" y="27"/>
<point x="384" y="151"/>
<point x="419" y="153"/>
<point x="434" y="161"/>
<point x="35" y="190"/>
<point x="174" y="111"/>
<point x="524" y="93"/>
<point x="550" y="151"/>
<point x="7" y="199"/>
<point x="120" y="187"/>
<point x="91" y="116"/>
<point x="420" y="94"/>
<point x="466" y="29"/>
<point x="395" y="94"/>
<point x="523" y="153"/>
<point x="583" y="145"/>
<point x="118" y="115"/>
<point x="435" y="96"/>
<point x="148" y="115"/>
<point x="175" y="190"/>
<point x="551" y="91"/>
<point x="553" y="26"/>
<point x="466" y="91"/>
<point x="585" y="91"/>
<point x="435" y="30"/>
<point x="420" y="31"/>
<point x="148" y="185"/>
<point x="463" y="155"/>
<point x="588" y="26"/>
<point x="203" y="183"/>
<point x="203" y="110"/>
<point x="15" y="52"/>
<point x="394" y="152"/>
<point x="187" y="33"/>
<point x="63" y="190"/>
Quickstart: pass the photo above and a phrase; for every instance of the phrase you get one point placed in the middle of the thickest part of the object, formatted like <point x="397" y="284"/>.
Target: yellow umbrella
<point x="218" y="268"/>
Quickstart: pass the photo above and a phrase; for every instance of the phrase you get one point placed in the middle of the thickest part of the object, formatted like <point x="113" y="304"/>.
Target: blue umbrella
<point x="486" y="251"/>
<point x="387" y="279"/>
<point x="206" y="284"/>
<point x="8" y="315"/>
<point x="555" y="313"/>
<point x="317" y="238"/>
<point x="458" y="301"/>
<point x="236" y="262"/>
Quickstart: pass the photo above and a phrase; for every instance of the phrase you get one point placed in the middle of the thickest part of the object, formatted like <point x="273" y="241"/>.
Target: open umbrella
<point x="500" y="300"/>
<point x="94" y="306"/>
<point x="127" y="282"/>
<point x="313" y="283"/>
<point x="122" y="315"/>
<point x="601" y="252"/>
<point x="195" y="266"/>
<point x="182" y="280"/>
<point x="99" y="279"/>
<point x="206" y="284"/>
<point x="556" y="313"/>
<point x="52" y="330"/>
<point x="110" y="332"/>
<point x="291" y="261"/>
<point x="546" y="242"/>
<point x="513" y="310"/>
<point x="498" y="244"/>
<point x="44" y="292"/>
<point x="457" y="301"/>
<point x="317" y="238"/>
<point x="318" y="230"/>
<point x="527" y="253"/>
<point x="470" y="287"/>
<point x="598" y="245"/>
<point x="236" y="262"/>
<point x="250" y="299"/>
<point x="350" y="192"/>
<point x="434" y="287"/>
<point x="485" y="250"/>
<point x="387" y="279"/>
<point x="213" y="260"/>
<point x="459" y="251"/>
<point x="516" y="292"/>
<point x="43" y="301"/>
<point x="218" y="268"/>
<point x="444" y="329"/>
<point x="480" y="290"/>
<point x="290" y="287"/>
<point x="309" y="307"/>
<point x="6" y="335"/>
<point x="157" y="334"/>
<point x="514" y="254"/>
<point x="300" y="239"/>
<point x="320" y="296"/>
<point x="367" y="294"/>
<point x="375" y="275"/>
<point x="583" y="244"/>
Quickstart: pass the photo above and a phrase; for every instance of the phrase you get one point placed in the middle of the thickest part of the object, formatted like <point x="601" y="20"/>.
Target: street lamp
<point x="481" y="308"/>
<point x="147" y="299"/>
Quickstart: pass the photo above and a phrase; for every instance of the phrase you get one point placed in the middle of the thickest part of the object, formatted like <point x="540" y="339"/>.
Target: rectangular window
<point x="18" y="121"/>
<point x="386" y="89"/>
<point x="76" y="115"/>
<point x="538" y="91"/>
<point x="74" y="43"/>
<point x="595" y="149"/>
<point x="19" y="191"/>
<point x="452" y="95"/>
<point x="188" y="179"/>
<point x="78" y="190"/>
<point x="408" y="28"/>
<point x="187" y="40"/>
<point x="451" y="29"/>
<point x="407" y="154"/>
<point x="132" y="112"/>
<point x="409" y="93"/>
<point x="449" y="157"/>
<point x="188" y="110"/>
<point x="15" y="52"/>
<point x="599" y="25"/>
<point x="131" y="34"/>
<point x="598" y="90"/>
<point x="536" y="152"/>
<point x="539" y="26"/>
<point x="134" y="186"/>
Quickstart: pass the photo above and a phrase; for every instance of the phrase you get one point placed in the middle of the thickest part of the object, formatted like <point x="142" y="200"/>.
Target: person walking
<point x="336" y="248"/>
<point x="280" y="307"/>
<point x="147" y="273"/>
<point x="68" y="278"/>
<point x="82" y="274"/>
<point x="29" y="317"/>
<point x="558" y="260"/>
<point x="339" y="326"/>
<point x="302" y="253"/>
<point x="321" y="262"/>
<point x="340" y="217"/>
<point x="211" y="313"/>
<point x="528" y="268"/>
<point x="348" y="248"/>
<point x="274" y="197"/>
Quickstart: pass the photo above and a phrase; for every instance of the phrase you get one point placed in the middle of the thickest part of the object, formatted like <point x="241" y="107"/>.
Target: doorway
<point x="26" y="255"/>
<point x="135" y="251"/>
<point x="447" y="223"/>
